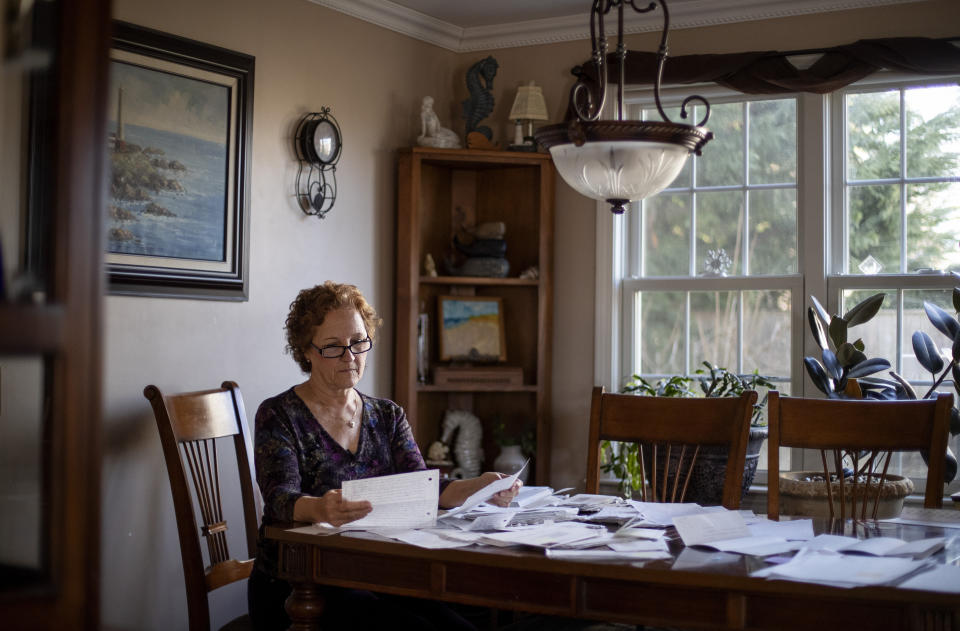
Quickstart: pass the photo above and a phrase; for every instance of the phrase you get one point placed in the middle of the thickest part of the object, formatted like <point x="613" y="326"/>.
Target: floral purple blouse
<point x="294" y="456"/>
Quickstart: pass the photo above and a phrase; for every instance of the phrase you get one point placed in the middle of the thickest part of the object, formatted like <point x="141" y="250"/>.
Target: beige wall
<point x="306" y="57"/>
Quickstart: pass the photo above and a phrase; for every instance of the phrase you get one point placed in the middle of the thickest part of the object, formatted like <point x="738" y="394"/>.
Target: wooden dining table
<point x="694" y="589"/>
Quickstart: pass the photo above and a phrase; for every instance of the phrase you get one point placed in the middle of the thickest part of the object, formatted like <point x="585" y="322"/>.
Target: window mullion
<point x="903" y="184"/>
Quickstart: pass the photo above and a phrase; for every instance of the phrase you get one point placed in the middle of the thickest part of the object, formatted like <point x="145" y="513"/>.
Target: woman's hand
<point x="503" y="498"/>
<point x="331" y="508"/>
<point x="459" y="490"/>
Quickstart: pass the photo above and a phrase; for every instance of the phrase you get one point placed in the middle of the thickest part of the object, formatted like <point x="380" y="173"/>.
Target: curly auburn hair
<point x="310" y="309"/>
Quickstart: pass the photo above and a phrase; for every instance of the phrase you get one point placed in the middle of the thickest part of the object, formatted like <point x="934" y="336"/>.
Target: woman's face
<point x="341" y="327"/>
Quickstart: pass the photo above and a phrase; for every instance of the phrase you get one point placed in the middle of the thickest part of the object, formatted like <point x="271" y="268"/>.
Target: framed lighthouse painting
<point x="180" y="120"/>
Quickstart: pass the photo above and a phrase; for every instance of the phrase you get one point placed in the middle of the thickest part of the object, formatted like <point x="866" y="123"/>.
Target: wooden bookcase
<point x="438" y="190"/>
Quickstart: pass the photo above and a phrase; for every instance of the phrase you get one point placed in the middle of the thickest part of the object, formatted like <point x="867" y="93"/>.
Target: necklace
<point x="353" y="419"/>
<point x="320" y="412"/>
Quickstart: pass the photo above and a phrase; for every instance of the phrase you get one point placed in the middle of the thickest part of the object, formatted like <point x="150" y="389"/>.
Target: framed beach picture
<point x="179" y="124"/>
<point x="471" y="328"/>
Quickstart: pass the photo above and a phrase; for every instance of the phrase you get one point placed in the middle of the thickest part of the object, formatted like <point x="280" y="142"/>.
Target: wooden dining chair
<point x="668" y="425"/>
<point x="871" y="430"/>
<point x="192" y="425"/>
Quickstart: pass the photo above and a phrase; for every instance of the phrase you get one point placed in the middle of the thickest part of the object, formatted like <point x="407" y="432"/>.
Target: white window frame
<point x="614" y="312"/>
<point x="820" y="188"/>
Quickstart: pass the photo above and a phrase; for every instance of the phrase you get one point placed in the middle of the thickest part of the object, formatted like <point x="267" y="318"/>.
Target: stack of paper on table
<point x="878" y="546"/>
<point x="727" y="531"/>
<point x="831" y="568"/>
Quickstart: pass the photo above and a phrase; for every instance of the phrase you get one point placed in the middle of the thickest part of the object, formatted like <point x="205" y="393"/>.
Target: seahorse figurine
<point x="467" y="448"/>
<point x="480" y="104"/>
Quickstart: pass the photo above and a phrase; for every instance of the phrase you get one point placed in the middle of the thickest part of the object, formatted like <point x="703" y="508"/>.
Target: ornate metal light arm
<point x="599" y="56"/>
<point x="620" y="161"/>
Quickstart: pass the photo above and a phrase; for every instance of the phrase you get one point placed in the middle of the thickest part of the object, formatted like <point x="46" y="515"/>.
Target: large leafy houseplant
<point x="843" y="361"/>
<point x="622" y="460"/>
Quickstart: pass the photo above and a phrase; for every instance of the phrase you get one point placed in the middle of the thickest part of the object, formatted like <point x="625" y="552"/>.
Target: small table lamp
<point x="528" y="106"/>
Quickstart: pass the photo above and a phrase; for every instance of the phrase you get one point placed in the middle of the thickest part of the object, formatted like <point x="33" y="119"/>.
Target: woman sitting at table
<point x="315" y="435"/>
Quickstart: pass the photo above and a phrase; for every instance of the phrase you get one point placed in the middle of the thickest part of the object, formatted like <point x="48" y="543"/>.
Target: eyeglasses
<point x="333" y="351"/>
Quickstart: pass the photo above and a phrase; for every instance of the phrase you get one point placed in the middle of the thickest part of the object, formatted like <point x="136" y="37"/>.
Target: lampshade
<point x="529" y="104"/>
<point x="620" y="161"/>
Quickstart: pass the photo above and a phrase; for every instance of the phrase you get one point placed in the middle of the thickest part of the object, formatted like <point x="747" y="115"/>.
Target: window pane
<point x="713" y="328"/>
<point x="684" y="179"/>
<point x="719" y="219"/>
<point x="874" y="229"/>
<point x="22" y="435"/>
<point x="723" y="163"/>
<point x="873" y="135"/>
<point x="915" y="319"/>
<point x="933" y="226"/>
<point x="666" y="235"/>
<point x="878" y="334"/>
<point x="773" y="232"/>
<point x="773" y="141"/>
<point x="933" y="117"/>
<point x="766" y="332"/>
<point x="660" y="332"/>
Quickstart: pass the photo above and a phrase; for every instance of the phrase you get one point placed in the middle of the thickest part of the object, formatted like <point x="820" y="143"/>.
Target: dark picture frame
<point x="471" y="329"/>
<point x="179" y="146"/>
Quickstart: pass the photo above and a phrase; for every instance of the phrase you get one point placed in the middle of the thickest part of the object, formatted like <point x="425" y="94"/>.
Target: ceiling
<point x="468" y="25"/>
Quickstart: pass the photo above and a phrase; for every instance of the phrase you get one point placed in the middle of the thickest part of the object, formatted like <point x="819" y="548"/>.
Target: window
<point x="719" y="266"/>
<point x="896" y="209"/>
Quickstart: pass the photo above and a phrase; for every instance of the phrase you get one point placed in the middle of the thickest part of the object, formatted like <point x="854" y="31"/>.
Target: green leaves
<point x="943" y="321"/>
<point x="864" y="311"/>
<point x="926" y="352"/>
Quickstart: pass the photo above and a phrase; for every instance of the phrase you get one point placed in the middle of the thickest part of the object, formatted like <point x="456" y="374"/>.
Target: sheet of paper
<point x="321" y="528"/>
<point x="875" y="546"/>
<point x="829" y="542"/>
<point x="791" y="530"/>
<point x="615" y="514"/>
<point x="841" y="569"/>
<point x="663" y="514"/>
<point x="486" y="492"/>
<point x="709" y="527"/>
<point x="638" y="532"/>
<point x="545" y="535"/>
<point x="532" y="495"/>
<point x="422" y="539"/>
<point x="605" y="555"/>
<point x="940" y="578"/>
<point x="588" y="499"/>
<point x="639" y="545"/>
<point x="755" y="546"/>
<point x="497" y="521"/>
<point x="403" y="500"/>
<point x="920" y="548"/>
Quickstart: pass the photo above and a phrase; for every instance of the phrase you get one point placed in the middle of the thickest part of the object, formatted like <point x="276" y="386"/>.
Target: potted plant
<point x="706" y="486"/>
<point x="845" y="371"/>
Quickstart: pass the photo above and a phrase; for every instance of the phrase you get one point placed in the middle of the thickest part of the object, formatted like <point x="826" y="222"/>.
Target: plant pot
<point x="510" y="460"/>
<point x="809" y="498"/>
<point x="706" y="481"/>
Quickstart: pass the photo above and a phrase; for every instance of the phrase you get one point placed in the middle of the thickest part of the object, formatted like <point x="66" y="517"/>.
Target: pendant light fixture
<point x="620" y="161"/>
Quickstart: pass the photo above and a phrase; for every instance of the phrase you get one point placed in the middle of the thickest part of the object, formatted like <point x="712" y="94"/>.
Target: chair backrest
<point x="868" y="429"/>
<point x="190" y="425"/>
<point x="672" y="423"/>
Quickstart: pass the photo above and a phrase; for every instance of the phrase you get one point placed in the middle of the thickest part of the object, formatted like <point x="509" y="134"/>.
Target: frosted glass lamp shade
<point x="620" y="161"/>
<point x="619" y="170"/>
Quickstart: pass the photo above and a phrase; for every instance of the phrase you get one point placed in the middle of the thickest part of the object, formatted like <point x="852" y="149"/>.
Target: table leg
<point x="304" y="606"/>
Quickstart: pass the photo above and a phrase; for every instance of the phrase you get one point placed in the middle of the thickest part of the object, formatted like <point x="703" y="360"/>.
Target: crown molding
<point x="689" y="14"/>
<point x="397" y="18"/>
